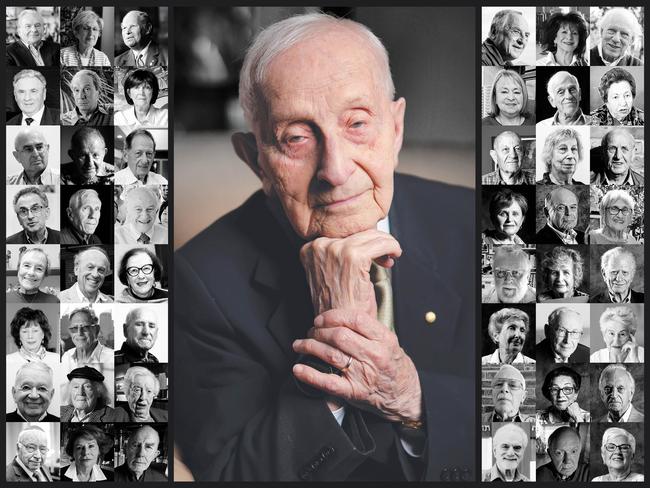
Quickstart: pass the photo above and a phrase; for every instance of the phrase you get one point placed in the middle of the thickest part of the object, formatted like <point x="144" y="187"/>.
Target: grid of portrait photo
<point x="87" y="243"/>
<point x="562" y="220"/>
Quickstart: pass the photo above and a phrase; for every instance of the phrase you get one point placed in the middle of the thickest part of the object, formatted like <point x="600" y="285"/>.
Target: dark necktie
<point x="143" y="239"/>
<point x="29" y="120"/>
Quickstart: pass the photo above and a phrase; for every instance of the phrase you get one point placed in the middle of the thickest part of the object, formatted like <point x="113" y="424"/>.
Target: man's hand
<point x="381" y="378"/>
<point x="338" y="270"/>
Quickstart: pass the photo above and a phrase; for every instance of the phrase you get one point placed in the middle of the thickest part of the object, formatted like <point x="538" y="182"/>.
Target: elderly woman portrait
<point x="561" y="271"/>
<point x="618" y="326"/>
<point x="617" y="450"/>
<point x="563" y="150"/>
<point x="141" y="92"/>
<point x="507" y="214"/>
<point x="88" y="396"/>
<point x="33" y="267"/>
<point x="616" y="215"/>
<point x="139" y="271"/>
<point x="141" y="388"/>
<point x="617" y="90"/>
<point x="564" y="39"/>
<point x="508" y="328"/>
<point x="87" y="28"/>
<point x="86" y="446"/>
<point x="508" y="100"/>
<point x="30" y="330"/>
<point x="561" y="386"/>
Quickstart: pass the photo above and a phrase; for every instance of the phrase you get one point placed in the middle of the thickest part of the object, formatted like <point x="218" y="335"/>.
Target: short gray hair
<point x="75" y="199"/>
<point x="511" y="428"/>
<point x="38" y="366"/>
<point x="77" y="256"/>
<point x="611" y="368"/>
<point x="133" y="371"/>
<point x="90" y="313"/>
<point x="616" y="431"/>
<point x="554" y="316"/>
<point x="27" y="430"/>
<point x="622" y="315"/>
<point x="498" y="318"/>
<point x="283" y="35"/>
<point x="612" y="196"/>
<point x="86" y="17"/>
<point x="513" y="250"/>
<point x="554" y="138"/>
<point x="27" y="11"/>
<point x="29" y="73"/>
<point x="499" y="23"/>
<point x="615" y="252"/>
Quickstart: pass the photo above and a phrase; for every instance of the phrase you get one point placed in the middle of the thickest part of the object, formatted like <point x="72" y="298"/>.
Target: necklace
<point x="91" y="59"/>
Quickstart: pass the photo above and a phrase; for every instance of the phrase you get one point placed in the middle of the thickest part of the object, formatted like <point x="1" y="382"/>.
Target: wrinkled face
<point x="91" y="269"/>
<point x="508" y="450"/>
<point x="507" y="154"/>
<point x="82" y="331"/>
<point x="509" y="219"/>
<point x="141" y="395"/>
<point x="140" y="155"/>
<point x="141" y="449"/>
<point x="560" y="278"/>
<point x="618" y="215"/>
<point x="141" y="208"/>
<point x="142" y="331"/>
<point x="565" y="96"/>
<point x="30" y="28"/>
<point x="142" y="283"/>
<point x="563" y="211"/>
<point x="31" y="212"/>
<point x="620" y="459"/>
<point x="164" y="217"/>
<point x="564" y="158"/>
<point x="615" y="334"/>
<point x="509" y="96"/>
<point x="620" y="99"/>
<point x="31" y="270"/>
<point x="565" y="334"/>
<point x="88" y="34"/>
<point x="507" y="394"/>
<point x="32" y="449"/>
<point x="620" y="152"/>
<point x="88" y="155"/>
<point x="565" y="453"/>
<point x="141" y="94"/>
<point x="616" y="37"/>
<point x="511" y="277"/>
<point x="560" y="399"/>
<point x="31" y="336"/>
<point x="85" y="93"/>
<point x="512" y="336"/>
<point x="134" y="32"/>
<point x="83" y="394"/>
<point x="85" y="451"/>
<point x="616" y="391"/>
<point x="32" y="151"/>
<point x="618" y="275"/>
<point x="515" y="37"/>
<point x="329" y="136"/>
<point x="29" y="93"/>
<point x="33" y="392"/>
<point x="85" y="216"/>
<point x="567" y="38"/>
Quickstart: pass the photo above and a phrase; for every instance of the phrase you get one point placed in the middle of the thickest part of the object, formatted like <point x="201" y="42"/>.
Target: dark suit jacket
<point x="548" y="236"/>
<point x="69" y="237"/>
<point x="16" y="473"/>
<point x="155" y="472"/>
<point x="242" y="298"/>
<point x="156" y="56"/>
<point x="51" y="116"/>
<point x="103" y="414"/>
<point x="628" y="60"/>
<point x="603" y="297"/>
<point x="19" y="55"/>
<point x="122" y="414"/>
<point x="14" y="417"/>
<point x="53" y="237"/>
<point x="545" y="359"/>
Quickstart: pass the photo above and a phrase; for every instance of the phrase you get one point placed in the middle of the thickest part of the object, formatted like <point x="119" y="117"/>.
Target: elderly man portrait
<point x="617" y="450"/>
<point x="507" y="154"/>
<point x="618" y="267"/>
<point x="297" y="350"/>
<point x="140" y="328"/>
<point x="509" y="444"/>
<point x="30" y="91"/>
<point x="509" y="33"/>
<point x="511" y="267"/>
<point x="508" y="393"/>
<point x="88" y="397"/>
<point x="31" y="452"/>
<point x="618" y="326"/>
<point x="562" y="152"/>
<point x="564" y="447"/>
<point x="141" y="388"/>
<point x="508" y="328"/>
<point x="617" y="150"/>
<point x="83" y="214"/>
<point x="618" y="29"/>
<point x="87" y="166"/>
<point x="32" y="151"/>
<point x="141" y="204"/>
<point x="561" y="344"/>
<point x="84" y="330"/>
<point x="139" y="153"/>
<point x="139" y="37"/>
<point x="91" y="267"/>
<point x="31" y="49"/>
<point x="564" y="96"/>
<point x="32" y="209"/>
<point x="141" y="451"/>
<point x="561" y="270"/>
<point x="561" y="210"/>
<point x="33" y="390"/>
<point x="616" y="386"/>
<point x="86" y="90"/>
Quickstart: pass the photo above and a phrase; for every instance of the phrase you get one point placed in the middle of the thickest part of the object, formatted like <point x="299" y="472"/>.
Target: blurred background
<point x="432" y="57"/>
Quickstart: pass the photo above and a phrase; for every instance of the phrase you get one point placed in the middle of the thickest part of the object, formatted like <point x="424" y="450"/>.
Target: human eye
<point x="620" y="389"/>
<point x="516" y="448"/>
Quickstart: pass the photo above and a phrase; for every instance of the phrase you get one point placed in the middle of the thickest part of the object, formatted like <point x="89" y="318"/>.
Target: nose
<point x="140" y="450"/>
<point x="37" y="454"/>
<point x="33" y="393"/>
<point x="335" y="167"/>
<point x="616" y="37"/>
<point x="91" y="212"/>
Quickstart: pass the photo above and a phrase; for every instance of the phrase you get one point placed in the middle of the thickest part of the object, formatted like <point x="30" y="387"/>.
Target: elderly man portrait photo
<point x="87" y="151"/>
<point x="32" y="390"/>
<point x="31" y="49"/>
<point x="88" y="397"/>
<point x="141" y="326"/>
<point x="32" y="449"/>
<point x="564" y="95"/>
<point x="91" y="266"/>
<point x="619" y="30"/>
<point x="141" y="204"/>
<point x="508" y="329"/>
<point x="611" y="161"/>
<point x="563" y="331"/>
<point x="85" y="330"/>
<point x="315" y="300"/>
<point x="139" y="154"/>
<point x="508" y="36"/>
<point x="140" y="39"/>
<point x="564" y="448"/>
<point x="508" y="393"/>
<point x="507" y="154"/>
<point x="141" y="387"/>
<point x="561" y="211"/>
<point x="142" y="448"/>
<point x="509" y="442"/>
<point x="510" y="276"/>
<point x="616" y="388"/>
<point x="618" y="266"/>
<point x="82" y="218"/>
<point x="30" y="92"/>
<point x="85" y="90"/>
<point x="32" y="152"/>
<point x="32" y="208"/>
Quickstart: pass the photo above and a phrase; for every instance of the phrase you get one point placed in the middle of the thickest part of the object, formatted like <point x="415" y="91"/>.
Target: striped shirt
<point x="491" y="56"/>
<point x="71" y="57"/>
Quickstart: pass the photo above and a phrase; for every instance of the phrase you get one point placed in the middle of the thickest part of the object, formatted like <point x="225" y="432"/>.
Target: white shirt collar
<point x="38" y="116"/>
<point x="605" y="62"/>
<point x="143" y="53"/>
<point x="95" y="475"/>
<point x="101" y="298"/>
<point x="624" y="418"/>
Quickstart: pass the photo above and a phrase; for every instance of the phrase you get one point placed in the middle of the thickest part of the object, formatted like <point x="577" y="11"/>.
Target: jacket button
<point x="445" y="475"/>
<point x="455" y="474"/>
<point x="466" y="475"/>
<point x="430" y="317"/>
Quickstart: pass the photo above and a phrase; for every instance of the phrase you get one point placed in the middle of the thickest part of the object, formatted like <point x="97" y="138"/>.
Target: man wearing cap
<point x="88" y="397"/>
<point x="508" y="392"/>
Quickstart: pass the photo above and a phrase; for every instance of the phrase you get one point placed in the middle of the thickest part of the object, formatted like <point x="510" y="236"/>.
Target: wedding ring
<point x="347" y="366"/>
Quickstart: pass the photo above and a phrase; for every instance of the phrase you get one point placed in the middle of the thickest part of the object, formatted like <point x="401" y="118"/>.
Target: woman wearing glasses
<point x="618" y="326"/>
<point x="139" y="271"/>
<point x="561" y="275"/>
<point x="617" y="450"/>
<point x="616" y="215"/>
<point x="561" y="387"/>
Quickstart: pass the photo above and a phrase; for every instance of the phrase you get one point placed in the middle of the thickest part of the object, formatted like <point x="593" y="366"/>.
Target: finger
<point x="332" y="384"/>
<point x="346" y="341"/>
<point x="356" y="320"/>
<point x="323" y="351"/>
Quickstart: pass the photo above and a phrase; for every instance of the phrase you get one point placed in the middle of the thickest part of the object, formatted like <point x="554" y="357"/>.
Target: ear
<point x="68" y="212"/>
<point x="245" y="145"/>
<point x="548" y="331"/>
<point x="398" y="108"/>
<point x="15" y="153"/>
<point x="550" y="100"/>
<point x="71" y="154"/>
<point x="124" y="329"/>
<point x="493" y="155"/>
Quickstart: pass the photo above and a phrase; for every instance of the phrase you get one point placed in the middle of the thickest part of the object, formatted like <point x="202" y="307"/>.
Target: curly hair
<point x="558" y="254"/>
<point x="157" y="267"/>
<point x="556" y="21"/>
<point x="26" y="315"/>
<point x="553" y="139"/>
<point x="88" y="431"/>
<point x="615" y="75"/>
<point x="499" y="318"/>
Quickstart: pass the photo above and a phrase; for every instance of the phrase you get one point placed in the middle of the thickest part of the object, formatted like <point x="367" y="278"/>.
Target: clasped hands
<point x="376" y="374"/>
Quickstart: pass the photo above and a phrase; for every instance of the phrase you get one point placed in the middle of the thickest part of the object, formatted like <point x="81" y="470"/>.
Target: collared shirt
<point x="31" y="241"/>
<point x="30" y="473"/>
<point x="549" y="179"/>
<point x="495" y="475"/>
<point x="77" y="416"/>
<point x="141" y="55"/>
<point x="126" y="177"/>
<point x="568" y="237"/>
<point x="627" y="299"/>
<point x="604" y="61"/>
<point x="495" y="359"/>
<point x="497" y="417"/>
<point x="601" y="116"/>
<point x="47" y="177"/>
<point x="523" y="177"/>
<point x="549" y="60"/>
<point x="602" y="179"/>
<point x="127" y="354"/>
<point x="40" y="419"/>
<point x="156" y="117"/>
<point x="36" y="118"/>
<point x="101" y="116"/>
<point x="624" y="418"/>
<point x="126" y="234"/>
<point x="74" y="295"/>
<point x="34" y="50"/>
<point x="581" y="119"/>
<point x="491" y="56"/>
<point x="95" y="475"/>
<point x="629" y="477"/>
<point x="101" y="355"/>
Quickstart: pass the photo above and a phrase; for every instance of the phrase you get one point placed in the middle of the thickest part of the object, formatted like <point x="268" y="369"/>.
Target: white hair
<point x="611" y="369"/>
<point x="613" y="195"/>
<point x="134" y="371"/>
<point x="626" y="14"/>
<point x="29" y="430"/>
<point x="28" y="11"/>
<point x="510" y="428"/>
<point x="555" y="79"/>
<point x="282" y="36"/>
<point x="621" y="315"/>
<point x="616" y="431"/>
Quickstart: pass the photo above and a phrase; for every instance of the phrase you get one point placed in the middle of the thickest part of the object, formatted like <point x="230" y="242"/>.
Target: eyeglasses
<point x="513" y="385"/>
<point x="623" y="447"/>
<point x="34" y="209"/>
<point x="616" y="210"/>
<point x="134" y="271"/>
<point x="573" y="334"/>
<point x="567" y="390"/>
<point x="82" y="329"/>
<point x="32" y="448"/>
<point x="515" y="273"/>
